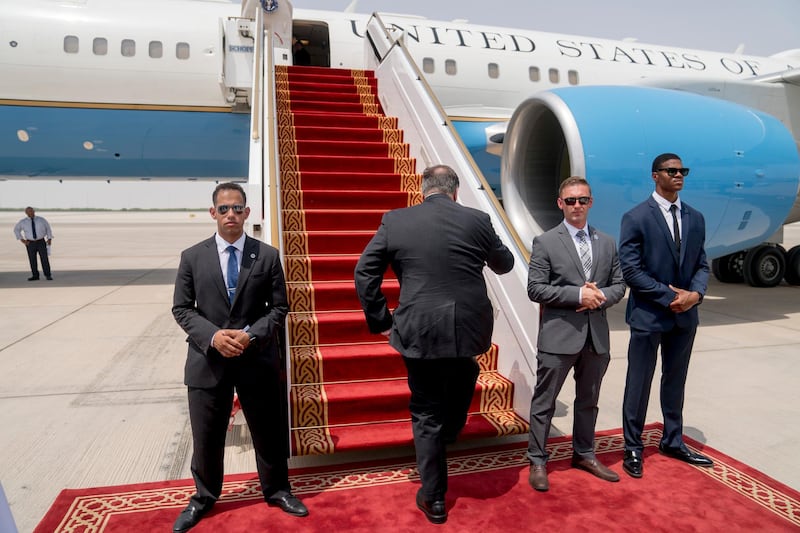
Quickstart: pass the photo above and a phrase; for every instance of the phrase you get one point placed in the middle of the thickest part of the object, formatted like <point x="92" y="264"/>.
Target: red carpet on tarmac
<point x="488" y="492"/>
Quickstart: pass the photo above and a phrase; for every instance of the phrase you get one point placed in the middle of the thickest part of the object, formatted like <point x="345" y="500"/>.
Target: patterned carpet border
<point x="89" y="512"/>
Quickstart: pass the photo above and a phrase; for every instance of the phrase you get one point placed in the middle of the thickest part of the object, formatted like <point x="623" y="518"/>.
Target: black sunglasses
<point x="237" y="208"/>
<point x="570" y="200"/>
<point x="672" y="171"/>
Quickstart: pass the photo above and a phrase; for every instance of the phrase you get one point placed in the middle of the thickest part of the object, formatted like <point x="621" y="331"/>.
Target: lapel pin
<point x="252" y="256"/>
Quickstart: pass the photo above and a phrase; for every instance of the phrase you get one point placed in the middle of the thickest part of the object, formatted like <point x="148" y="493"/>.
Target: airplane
<point x="159" y="89"/>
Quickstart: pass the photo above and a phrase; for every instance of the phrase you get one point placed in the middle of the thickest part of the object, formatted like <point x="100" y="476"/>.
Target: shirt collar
<point x="665" y="204"/>
<point x="222" y="244"/>
<point x="573" y="230"/>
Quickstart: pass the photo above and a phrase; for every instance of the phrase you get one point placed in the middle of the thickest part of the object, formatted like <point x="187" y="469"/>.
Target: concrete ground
<point x="91" y="365"/>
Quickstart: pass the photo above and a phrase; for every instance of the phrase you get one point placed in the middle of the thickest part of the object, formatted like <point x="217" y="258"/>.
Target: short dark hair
<point x="228" y="186"/>
<point x="573" y="180"/>
<point x="439" y="178"/>
<point x="659" y="160"/>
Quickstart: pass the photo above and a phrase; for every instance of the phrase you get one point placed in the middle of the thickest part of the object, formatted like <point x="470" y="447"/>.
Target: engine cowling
<point x="745" y="169"/>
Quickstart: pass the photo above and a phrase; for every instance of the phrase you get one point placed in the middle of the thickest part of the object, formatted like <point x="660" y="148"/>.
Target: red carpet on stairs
<point x="343" y="164"/>
<point x="488" y="492"/>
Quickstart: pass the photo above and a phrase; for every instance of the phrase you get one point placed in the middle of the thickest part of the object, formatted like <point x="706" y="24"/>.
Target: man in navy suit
<point x="230" y="299"/>
<point x="444" y="317"/>
<point x="664" y="263"/>
<point x="574" y="275"/>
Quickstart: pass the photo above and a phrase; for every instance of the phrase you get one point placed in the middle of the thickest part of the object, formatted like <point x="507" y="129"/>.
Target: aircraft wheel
<point x="792" y="275"/>
<point x="764" y="265"/>
<point x="728" y="268"/>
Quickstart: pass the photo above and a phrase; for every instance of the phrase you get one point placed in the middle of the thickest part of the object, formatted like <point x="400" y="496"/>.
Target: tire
<point x="764" y="266"/>
<point x="792" y="274"/>
<point x="728" y="268"/>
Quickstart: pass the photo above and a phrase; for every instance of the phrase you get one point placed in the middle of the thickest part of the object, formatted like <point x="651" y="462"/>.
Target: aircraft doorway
<point x="313" y="38"/>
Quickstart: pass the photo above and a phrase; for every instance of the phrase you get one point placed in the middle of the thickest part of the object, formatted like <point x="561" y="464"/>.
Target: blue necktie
<point x="233" y="272"/>
<point x="33" y="227"/>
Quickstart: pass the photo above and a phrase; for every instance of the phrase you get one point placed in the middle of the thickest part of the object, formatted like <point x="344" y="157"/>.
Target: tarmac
<point x="91" y="365"/>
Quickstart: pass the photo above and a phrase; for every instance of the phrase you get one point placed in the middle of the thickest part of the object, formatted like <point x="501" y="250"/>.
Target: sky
<point x="764" y="27"/>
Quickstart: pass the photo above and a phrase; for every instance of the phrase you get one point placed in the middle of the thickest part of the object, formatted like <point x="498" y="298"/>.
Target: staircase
<point x="342" y="165"/>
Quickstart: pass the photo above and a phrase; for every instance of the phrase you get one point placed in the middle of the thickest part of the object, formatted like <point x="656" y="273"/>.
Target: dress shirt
<point x="573" y="232"/>
<point x="222" y="246"/>
<point x="24" y="226"/>
<point x="665" y="204"/>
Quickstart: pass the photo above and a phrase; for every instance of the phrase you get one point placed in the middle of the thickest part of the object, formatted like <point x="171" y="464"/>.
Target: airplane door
<point x="311" y="43"/>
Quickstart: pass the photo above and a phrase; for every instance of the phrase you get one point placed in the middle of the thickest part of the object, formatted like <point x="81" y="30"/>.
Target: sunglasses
<point x="672" y="171"/>
<point x="583" y="200"/>
<point x="237" y="208"/>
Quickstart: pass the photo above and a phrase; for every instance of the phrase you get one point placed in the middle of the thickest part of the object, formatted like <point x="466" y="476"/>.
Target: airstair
<point x="331" y="151"/>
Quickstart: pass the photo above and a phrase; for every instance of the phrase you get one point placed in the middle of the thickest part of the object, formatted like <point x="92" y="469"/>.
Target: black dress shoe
<point x="435" y="510"/>
<point x="49" y="278"/>
<point x="33" y="278"/>
<point x="188" y="518"/>
<point x="633" y="463"/>
<point x="685" y="455"/>
<point x="288" y="503"/>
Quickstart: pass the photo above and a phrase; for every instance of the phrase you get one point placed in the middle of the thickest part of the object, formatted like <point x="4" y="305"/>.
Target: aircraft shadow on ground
<point x="91" y="278"/>
<point x="735" y="303"/>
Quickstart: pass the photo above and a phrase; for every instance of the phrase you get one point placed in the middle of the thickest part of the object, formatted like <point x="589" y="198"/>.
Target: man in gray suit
<point x="444" y="317"/>
<point x="574" y="275"/>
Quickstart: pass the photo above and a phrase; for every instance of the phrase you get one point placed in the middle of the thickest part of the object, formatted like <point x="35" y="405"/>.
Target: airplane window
<point x="128" y="48"/>
<point x="427" y="65"/>
<point x="156" y="49"/>
<point x="572" y="76"/>
<point x="494" y="71"/>
<point x="71" y="44"/>
<point x="100" y="46"/>
<point x="534" y="74"/>
<point x="553" y="75"/>
<point x="450" y="66"/>
<point x="182" y="50"/>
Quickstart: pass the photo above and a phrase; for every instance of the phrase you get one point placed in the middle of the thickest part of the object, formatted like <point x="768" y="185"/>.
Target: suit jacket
<point x="201" y="307"/>
<point x="650" y="263"/>
<point x="438" y="250"/>
<point x="555" y="276"/>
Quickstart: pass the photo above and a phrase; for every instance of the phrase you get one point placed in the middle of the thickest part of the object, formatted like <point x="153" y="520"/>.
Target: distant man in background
<point x="300" y="55"/>
<point x="35" y="233"/>
<point x="574" y="275"/>
<point x="230" y="299"/>
<point x="444" y="317"/>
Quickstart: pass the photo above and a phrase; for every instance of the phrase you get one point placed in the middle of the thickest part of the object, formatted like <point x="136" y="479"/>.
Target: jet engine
<point x="745" y="168"/>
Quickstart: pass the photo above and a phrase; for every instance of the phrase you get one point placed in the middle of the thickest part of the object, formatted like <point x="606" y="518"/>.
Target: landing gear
<point x="728" y="268"/>
<point x="764" y="265"/>
<point x="792" y="275"/>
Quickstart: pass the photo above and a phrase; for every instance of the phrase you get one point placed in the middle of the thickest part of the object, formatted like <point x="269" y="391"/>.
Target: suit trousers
<point x="441" y="392"/>
<point x="551" y="372"/>
<point x="38" y="247"/>
<point x="264" y="407"/>
<point x="676" y="349"/>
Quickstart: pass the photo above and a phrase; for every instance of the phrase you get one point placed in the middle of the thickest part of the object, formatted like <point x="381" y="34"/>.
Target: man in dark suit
<point x="444" y="317"/>
<point x="574" y="275"/>
<point x="664" y="263"/>
<point x="230" y="299"/>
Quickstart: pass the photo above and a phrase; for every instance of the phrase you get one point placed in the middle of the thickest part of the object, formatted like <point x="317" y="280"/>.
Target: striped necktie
<point x="586" y="256"/>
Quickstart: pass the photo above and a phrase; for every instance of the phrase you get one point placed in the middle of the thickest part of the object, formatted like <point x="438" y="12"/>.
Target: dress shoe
<point x="288" y="503"/>
<point x="633" y="463"/>
<point x="188" y="518"/>
<point x="434" y="510"/>
<point x="594" y="467"/>
<point x="33" y="278"/>
<point x="685" y="455"/>
<point x="538" y="478"/>
<point x="49" y="278"/>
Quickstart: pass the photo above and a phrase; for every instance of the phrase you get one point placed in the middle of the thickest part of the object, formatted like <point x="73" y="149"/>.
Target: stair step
<point x="349" y="148"/>
<point x="333" y="295"/>
<point x="309" y="180"/>
<point x="342" y="199"/>
<point x="339" y="267"/>
<point x="354" y="134"/>
<point x="348" y="362"/>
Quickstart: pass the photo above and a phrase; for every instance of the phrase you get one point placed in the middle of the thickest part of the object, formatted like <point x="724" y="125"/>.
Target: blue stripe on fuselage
<point x="122" y="143"/>
<point x="473" y="135"/>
